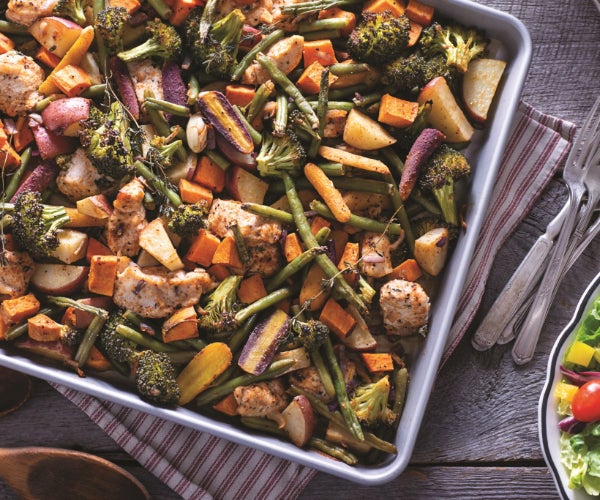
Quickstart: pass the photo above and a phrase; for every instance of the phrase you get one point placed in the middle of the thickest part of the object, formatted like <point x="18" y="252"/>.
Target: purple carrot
<point x="125" y="85"/>
<point x="174" y="89"/>
<point x="424" y="146"/>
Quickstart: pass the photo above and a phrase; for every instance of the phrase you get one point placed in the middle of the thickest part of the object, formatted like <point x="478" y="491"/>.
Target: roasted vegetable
<point x="164" y="44"/>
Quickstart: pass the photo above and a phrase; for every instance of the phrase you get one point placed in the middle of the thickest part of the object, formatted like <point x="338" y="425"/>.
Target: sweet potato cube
<point x="47" y="58"/>
<point x="97" y="361"/>
<point x="181" y="325"/>
<point x="312" y="293"/>
<point x="129" y="5"/>
<point x="103" y="271"/>
<point x="251" y="289"/>
<point x="292" y="247"/>
<point x="419" y="12"/>
<point x="227" y="254"/>
<point x="377" y="362"/>
<point x="96" y="247"/>
<point x="17" y="309"/>
<point x="228" y="405"/>
<point x="395" y="7"/>
<point x="348" y="262"/>
<point x="71" y="80"/>
<point x="317" y="223"/>
<point x="209" y="174"/>
<point x="309" y="81"/>
<point x="397" y="112"/>
<point x="337" y="319"/>
<point x="192" y="192"/>
<point x="320" y="51"/>
<point x="203" y="248"/>
<point x="408" y="270"/>
<point x="336" y="12"/>
<point x="43" y="328"/>
<point x="240" y="95"/>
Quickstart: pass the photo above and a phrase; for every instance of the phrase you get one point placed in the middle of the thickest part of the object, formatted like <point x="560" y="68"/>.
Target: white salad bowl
<point x="548" y="416"/>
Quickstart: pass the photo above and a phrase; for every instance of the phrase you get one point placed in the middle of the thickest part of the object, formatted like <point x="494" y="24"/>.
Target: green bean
<point x="330" y="269"/>
<point x="88" y="340"/>
<point x="261" y="46"/>
<point x="261" y="304"/>
<point x="167" y="107"/>
<point x="218" y="159"/>
<point x="269" y="212"/>
<point x="294" y="266"/>
<point x="333" y="23"/>
<point x="17" y="175"/>
<point x="322" y="35"/>
<point x="289" y="88"/>
<point x="321" y="113"/>
<point x="358" y="221"/>
<point x="339" y="69"/>
<point x="281" y="115"/>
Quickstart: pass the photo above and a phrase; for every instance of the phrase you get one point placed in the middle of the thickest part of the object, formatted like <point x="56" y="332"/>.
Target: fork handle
<point x="518" y="287"/>
<point x="524" y="347"/>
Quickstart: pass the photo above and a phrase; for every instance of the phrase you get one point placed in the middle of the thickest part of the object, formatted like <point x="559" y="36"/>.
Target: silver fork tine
<point x="574" y="173"/>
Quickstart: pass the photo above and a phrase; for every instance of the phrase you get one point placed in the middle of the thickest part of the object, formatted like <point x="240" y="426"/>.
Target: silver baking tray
<point x="512" y="43"/>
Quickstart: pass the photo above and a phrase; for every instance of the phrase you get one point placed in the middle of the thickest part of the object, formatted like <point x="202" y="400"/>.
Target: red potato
<point x="82" y="319"/>
<point x="50" y="144"/>
<point x="62" y="117"/>
<point x="446" y="115"/>
<point x="98" y="206"/>
<point x="125" y="85"/>
<point x="244" y="186"/>
<point x="39" y="180"/>
<point x="299" y="420"/>
<point x="479" y="86"/>
<point x="72" y="245"/>
<point x="246" y="160"/>
<point x="56" y="34"/>
<point x="59" y="279"/>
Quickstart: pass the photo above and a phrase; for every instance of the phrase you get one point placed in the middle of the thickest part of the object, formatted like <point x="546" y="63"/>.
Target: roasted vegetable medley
<point x="240" y="206"/>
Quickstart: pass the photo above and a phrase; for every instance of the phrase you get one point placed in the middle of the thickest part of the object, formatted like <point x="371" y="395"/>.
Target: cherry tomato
<point x="586" y="402"/>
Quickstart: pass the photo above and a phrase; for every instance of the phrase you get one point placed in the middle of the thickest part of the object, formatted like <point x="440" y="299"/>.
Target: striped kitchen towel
<point x="537" y="147"/>
<point x="198" y="465"/>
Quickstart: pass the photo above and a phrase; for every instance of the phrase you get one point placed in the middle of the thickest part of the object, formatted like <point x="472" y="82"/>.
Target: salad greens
<point x="580" y="444"/>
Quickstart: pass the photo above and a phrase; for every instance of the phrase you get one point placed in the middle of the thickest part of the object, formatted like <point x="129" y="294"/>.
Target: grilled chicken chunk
<point x="155" y="292"/>
<point x="27" y="12"/>
<point x="79" y="179"/>
<point x="286" y="53"/>
<point x="16" y="269"/>
<point x="405" y="307"/>
<point x="261" y="399"/>
<point x="127" y="220"/>
<point x="20" y="77"/>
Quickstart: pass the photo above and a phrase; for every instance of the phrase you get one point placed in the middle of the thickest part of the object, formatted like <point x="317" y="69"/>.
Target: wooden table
<point x="479" y="435"/>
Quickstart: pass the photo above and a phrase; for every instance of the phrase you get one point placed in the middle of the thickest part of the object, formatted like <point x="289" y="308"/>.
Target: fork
<point x="580" y="161"/>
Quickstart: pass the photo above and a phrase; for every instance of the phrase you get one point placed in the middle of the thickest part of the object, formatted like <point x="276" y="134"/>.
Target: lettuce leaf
<point x="580" y="455"/>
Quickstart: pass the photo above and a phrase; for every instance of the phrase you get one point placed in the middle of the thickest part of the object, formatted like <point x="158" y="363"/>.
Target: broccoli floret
<point x="116" y="347"/>
<point x="310" y="334"/>
<point x="35" y="225"/>
<point x="70" y="336"/>
<point x="73" y="9"/>
<point x="187" y="220"/>
<point x="154" y="372"/>
<point x="217" y="315"/>
<point x="370" y="403"/>
<point x="155" y="378"/>
<point x="164" y="43"/>
<point x="457" y="43"/>
<point x="438" y="175"/>
<point x="110" y="26"/>
<point x="280" y="154"/>
<point x="412" y="72"/>
<point x="107" y="140"/>
<point x="297" y="120"/>
<point x="216" y="52"/>
<point x="161" y="152"/>
<point x="379" y="38"/>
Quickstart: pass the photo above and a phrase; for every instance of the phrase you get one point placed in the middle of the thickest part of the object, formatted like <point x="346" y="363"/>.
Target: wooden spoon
<point x="54" y="474"/>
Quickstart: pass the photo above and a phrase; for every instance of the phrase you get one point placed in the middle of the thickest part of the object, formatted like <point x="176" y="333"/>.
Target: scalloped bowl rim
<point x="547" y="416"/>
